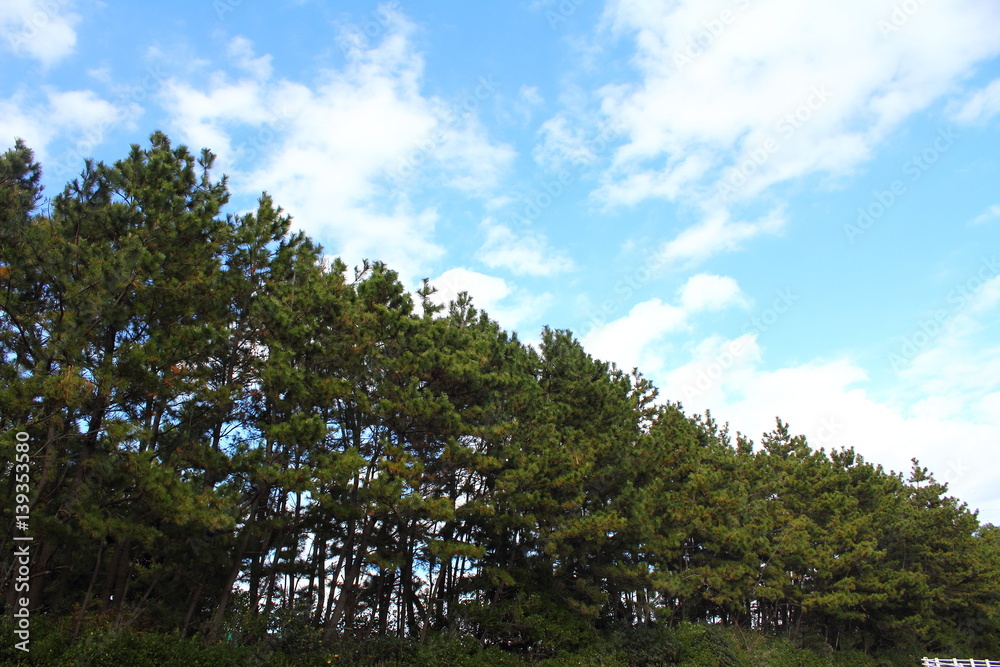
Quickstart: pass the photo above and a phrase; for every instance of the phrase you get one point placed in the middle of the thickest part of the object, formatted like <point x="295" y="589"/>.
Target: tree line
<point x="235" y="435"/>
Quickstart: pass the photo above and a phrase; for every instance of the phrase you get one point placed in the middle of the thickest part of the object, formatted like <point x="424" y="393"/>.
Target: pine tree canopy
<point x="231" y="434"/>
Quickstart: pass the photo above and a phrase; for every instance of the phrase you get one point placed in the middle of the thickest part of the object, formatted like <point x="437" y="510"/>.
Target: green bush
<point x="693" y="645"/>
<point x="51" y="646"/>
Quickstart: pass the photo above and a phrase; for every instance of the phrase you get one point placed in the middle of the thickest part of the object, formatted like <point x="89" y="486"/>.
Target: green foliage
<point x="98" y="647"/>
<point x="685" y="644"/>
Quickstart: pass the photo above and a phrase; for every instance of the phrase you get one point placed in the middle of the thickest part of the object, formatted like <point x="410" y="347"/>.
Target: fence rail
<point x="956" y="662"/>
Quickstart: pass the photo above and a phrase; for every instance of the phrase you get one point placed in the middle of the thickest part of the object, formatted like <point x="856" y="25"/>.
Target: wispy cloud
<point x="989" y="215"/>
<point x="79" y="117"/>
<point x="522" y="253"/>
<point x="732" y="98"/>
<point x="345" y="155"/>
<point x="978" y="107"/>
<point x="717" y="80"/>
<point x="713" y="234"/>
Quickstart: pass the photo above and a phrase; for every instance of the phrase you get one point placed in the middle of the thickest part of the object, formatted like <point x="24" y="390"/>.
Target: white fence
<point x="955" y="662"/>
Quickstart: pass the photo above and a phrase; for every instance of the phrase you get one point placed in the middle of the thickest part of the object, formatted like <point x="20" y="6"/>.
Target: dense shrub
<point x="689" y="644"/>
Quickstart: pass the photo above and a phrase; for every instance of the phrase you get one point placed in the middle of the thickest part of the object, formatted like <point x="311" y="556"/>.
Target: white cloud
<point x="18" y="119"/>
<point x="241" y="50"/>
<point x="626" y="341"/>
<point x="343" y="156"/>
<point x="699" y="381"/>
<point x="38" y="29"/>
<point x="527" y="253"/>
<point x="706" y="291"/>
<point x="633" y="185"/>
<point x="503" y="302"/>
<point x="715" y="233"/>
<point x="721" y="80"/>
<point x="562" y="145"/>
<point x="956" y="360"/>
<point x="733" y="97"/>
<point x="81" y="109"/>
<point x="565" y="144"/>
<point x="978" y="107"/>
<point x="631" y="341"/>
<point x="989" y="215"/>
<point x="473" y="164"/>
<point x="485" y="290"/>
<point x="206" y="115"/>
<point x="528" y="100"/>
<point x="80" y="117"/>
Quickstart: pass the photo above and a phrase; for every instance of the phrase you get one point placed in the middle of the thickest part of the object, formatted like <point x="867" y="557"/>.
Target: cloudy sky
<point x="772" y="208"/>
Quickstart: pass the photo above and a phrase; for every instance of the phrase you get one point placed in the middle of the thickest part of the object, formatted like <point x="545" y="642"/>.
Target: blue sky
<point x="771" y="208"/>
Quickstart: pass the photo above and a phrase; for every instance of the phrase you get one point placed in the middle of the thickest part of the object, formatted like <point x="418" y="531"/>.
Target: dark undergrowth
<point x="686" y="644"/>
